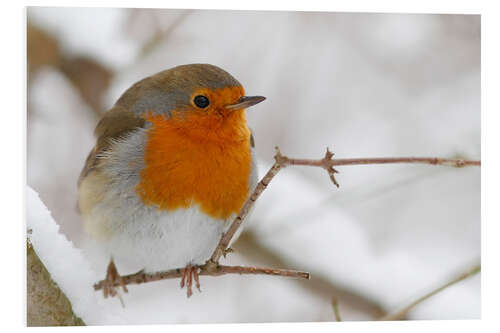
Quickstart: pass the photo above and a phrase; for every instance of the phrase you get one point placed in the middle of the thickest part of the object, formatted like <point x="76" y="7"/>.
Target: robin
<point x="172" y="165"/>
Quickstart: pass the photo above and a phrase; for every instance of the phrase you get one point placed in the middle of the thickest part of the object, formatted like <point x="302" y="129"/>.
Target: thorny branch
<point x="142" y="277"/>
<point x="212" y="267"/>
<point x="327" y="163"/>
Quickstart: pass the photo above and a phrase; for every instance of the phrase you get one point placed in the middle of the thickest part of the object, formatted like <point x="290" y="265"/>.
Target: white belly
<point x="159" y="240"/>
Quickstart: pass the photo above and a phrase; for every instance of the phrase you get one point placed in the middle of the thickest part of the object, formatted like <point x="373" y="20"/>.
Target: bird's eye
<point x="201" y="101"/>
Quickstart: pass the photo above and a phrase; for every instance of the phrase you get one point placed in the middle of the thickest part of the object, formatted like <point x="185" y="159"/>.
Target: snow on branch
<point x="56" y="267"/>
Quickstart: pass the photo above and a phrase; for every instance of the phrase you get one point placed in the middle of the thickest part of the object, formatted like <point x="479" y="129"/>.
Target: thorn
<point x="280" y="159"/>
<point x="328" y="154"/>
<point x="332" y="176"/>
<point x="327" y="165"/>
<point x="227" y="251"/>
<point x="278" y="152"/>
<point x="334" y="181"/>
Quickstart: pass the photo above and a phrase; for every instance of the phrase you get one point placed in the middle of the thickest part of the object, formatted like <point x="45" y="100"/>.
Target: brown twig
<point x="401" y="313"/>
<point x="142" y="277"/>
<point x="327" y="163"/>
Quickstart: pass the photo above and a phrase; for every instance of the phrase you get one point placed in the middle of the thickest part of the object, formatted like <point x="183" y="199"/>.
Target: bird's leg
<point x="188" y="274"/>
<point x="183" y="278"/>
<point x="196" y="278"/>
<point x="112" y="277"/>
<point x="190" y="282"/>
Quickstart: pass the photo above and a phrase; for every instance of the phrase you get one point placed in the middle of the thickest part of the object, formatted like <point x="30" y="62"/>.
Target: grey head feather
<point x="172" y="89"/>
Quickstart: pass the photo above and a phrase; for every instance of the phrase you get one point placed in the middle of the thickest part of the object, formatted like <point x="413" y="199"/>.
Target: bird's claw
<point x="189" y="274"/>
<point x="112" y="278"/>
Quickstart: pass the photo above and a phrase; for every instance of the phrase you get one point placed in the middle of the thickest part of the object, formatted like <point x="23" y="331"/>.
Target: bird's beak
<point x="245" y="102"/>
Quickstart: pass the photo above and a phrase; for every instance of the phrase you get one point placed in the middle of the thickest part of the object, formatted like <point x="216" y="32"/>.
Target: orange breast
<point x="197" y="160"/>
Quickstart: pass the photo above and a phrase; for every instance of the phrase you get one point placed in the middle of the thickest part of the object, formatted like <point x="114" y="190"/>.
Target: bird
<point x="173" y="163"/>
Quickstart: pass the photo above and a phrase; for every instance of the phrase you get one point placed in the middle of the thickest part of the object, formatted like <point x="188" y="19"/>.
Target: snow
<point x="366" y="85"/>
<point x="65" y="263"/>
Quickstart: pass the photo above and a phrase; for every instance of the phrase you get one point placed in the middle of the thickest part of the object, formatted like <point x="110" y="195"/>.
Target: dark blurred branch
<point x="90" y="77"/>
<point x="403" y="312"/>
<point x="42" y="49"/>
<point x="335" y="305"/>
<point x="160" y="35"/>
<point x="322" y="286"/>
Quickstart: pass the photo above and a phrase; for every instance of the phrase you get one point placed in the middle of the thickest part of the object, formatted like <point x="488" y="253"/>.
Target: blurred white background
<point x="366" y="85"/>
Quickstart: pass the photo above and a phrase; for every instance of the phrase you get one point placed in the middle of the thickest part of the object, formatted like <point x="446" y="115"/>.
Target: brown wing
<point x="115" y="123"/>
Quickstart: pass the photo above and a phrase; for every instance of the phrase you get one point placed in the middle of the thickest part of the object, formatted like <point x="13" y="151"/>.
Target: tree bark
<point x="47" y="305"/>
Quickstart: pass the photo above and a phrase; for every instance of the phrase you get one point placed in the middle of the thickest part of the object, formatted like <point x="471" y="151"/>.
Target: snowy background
<point x="367" y="85"/>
